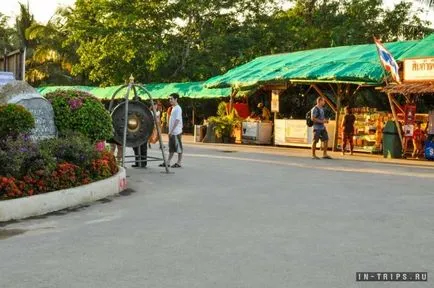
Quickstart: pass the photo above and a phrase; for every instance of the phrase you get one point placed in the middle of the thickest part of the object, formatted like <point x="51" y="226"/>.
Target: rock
<point x="20" y="92"/>
<point x="6" y="77"/>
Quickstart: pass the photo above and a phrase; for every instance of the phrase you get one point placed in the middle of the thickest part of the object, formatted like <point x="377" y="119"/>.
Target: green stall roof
<point x="425" y="48"/>
<point x="348" y="64"/>
<point x="194" y="90"/>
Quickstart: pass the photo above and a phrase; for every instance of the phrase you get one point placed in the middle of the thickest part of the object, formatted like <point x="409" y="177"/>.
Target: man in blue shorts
<point x="319" y="129"/>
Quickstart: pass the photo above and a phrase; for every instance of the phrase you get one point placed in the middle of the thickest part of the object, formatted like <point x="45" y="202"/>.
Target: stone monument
<point x="21" y="93"/>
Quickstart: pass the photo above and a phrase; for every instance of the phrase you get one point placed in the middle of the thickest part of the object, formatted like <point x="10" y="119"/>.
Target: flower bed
<point x="74" y="159"/>
<point x="28" y="168"/>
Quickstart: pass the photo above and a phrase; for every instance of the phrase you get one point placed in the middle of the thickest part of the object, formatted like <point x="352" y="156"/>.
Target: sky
<point x="43" y="10"/>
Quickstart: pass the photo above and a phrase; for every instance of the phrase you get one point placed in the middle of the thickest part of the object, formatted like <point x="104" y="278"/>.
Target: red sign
<point x="242" y="109"/>
<point x="410" y="114"/>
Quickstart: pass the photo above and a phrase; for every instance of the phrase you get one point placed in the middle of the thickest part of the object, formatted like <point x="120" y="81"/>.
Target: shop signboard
<point x="275" y="101"/>
<point x="296" y="131"/>
<point x="410" y="114"/>
<point x="250" y="130"/>
<point x="421" y="69"/>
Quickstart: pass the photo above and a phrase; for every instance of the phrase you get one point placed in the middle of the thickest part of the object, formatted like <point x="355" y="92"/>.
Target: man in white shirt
<point x="175" y="131"/>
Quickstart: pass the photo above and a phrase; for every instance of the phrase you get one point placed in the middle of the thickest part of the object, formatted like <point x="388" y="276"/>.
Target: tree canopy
<point x="102" y="42"/>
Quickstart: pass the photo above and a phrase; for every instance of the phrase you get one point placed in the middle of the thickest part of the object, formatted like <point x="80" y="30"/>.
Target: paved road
<point x="231" y="218"/>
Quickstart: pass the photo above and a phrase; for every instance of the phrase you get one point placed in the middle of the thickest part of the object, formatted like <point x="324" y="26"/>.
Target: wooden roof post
<point x="234" y="92"/>
<point x="330" y="103"/>
<point x="395" y="116"/>
<point x="338" y="117"/>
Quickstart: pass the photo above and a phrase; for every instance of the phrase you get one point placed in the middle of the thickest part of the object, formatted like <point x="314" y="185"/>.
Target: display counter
<point x="293" y="132"/>
<point x="368" y="134"/>
<point x="256" y="132"/>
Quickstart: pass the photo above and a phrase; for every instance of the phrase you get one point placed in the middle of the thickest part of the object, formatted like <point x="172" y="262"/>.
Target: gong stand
<point x="133" y="123"/>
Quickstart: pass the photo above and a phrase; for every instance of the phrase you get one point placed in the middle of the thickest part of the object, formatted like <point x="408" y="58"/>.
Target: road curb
<point x="304" y="152"/>
<point x="40" y="204"/>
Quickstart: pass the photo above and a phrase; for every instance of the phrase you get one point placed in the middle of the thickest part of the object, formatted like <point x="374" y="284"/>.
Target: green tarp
<point x="425" y="48"/>
<point x="194" y="90"/>
<point x="349" y="64"/>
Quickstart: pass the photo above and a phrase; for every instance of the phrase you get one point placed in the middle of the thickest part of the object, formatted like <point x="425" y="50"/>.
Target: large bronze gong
<point x="140" y="123"/>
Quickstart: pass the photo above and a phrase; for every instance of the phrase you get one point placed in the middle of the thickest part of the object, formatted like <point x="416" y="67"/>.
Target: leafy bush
<point x="73" y="147"/>
<point x="15" y="119"/>
<point x="80" y="111"/>
<point x="103" y="166"/>
<point x="225" y="121"/>
<point x="20" y="156"/>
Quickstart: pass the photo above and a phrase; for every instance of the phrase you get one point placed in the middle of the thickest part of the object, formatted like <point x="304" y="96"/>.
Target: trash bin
<point x="392" y="147"/>
<point x="199" y="133"/>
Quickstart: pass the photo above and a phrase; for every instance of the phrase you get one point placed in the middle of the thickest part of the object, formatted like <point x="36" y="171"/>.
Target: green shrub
<point x="20" y="156"/>
<point x="225" y="121"/>
<point x="72" y="147"/>
<point x="80" y="111"/>
<point x="14" y="120"/>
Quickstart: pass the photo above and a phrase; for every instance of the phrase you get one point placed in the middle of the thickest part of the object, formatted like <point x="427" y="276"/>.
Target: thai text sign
<point x="419" y="69"/>
<point x="275" y="101"/>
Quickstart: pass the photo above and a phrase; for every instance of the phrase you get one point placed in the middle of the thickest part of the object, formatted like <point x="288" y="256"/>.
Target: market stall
<point x="336" y="74"/>
<point x="368" y="134"/>
<point x="418" y="82"/>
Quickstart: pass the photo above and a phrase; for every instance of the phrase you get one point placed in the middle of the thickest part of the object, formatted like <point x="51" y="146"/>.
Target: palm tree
<point x="24" y="21"/>
<point x="51" y="59"/>
<point x="6" y="35"/>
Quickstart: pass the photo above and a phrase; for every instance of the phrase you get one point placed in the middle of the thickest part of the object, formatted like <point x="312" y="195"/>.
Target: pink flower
<point x="75" y="103"/>
<point x="100" y="146"/>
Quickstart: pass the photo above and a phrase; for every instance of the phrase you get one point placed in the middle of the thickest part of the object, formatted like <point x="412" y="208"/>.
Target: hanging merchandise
<point x="409" y="119"/>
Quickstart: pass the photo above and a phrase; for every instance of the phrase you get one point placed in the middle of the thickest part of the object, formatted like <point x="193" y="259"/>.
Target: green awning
<point x="188" y="89"/>
<point x="102" y="93"/>
<point x="194" y="90"/>
<point x="357" y="64"/>
<point x="425" y="48"/>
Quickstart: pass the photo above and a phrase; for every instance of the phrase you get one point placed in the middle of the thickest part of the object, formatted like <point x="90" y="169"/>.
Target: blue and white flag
<point x="388" y="61"/>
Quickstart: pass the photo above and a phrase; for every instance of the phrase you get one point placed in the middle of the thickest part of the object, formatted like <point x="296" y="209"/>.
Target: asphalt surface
<point x="234" y="218"/>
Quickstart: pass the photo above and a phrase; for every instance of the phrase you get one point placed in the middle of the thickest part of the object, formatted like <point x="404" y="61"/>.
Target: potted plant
<point x="224" y="123"/>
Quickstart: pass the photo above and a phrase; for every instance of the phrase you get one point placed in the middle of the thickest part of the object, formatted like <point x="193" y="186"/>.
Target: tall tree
<point x="24" y="20"/>
<point x="6" y="34"/>
<point x="52" y="60"/>
<point x="161" y="40"/>
<point x="117" y="38"/>
<point x="189" y="40"/>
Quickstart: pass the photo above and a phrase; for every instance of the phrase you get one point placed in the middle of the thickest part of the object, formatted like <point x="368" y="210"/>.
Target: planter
<point x="228" y="140"/>
<point x="40" y="204"/>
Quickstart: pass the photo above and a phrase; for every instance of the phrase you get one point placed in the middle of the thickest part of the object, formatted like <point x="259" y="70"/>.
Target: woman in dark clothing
<point x="348" y="130"/>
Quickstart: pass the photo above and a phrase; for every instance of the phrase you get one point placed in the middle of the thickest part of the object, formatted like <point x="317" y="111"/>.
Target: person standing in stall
<point x="265" y="113"/>
<point x="418" y="139"/>
<point x="348" y="130"/>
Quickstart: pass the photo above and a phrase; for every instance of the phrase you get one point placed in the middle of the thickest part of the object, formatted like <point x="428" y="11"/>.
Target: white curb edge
<point x="40" y="204"/>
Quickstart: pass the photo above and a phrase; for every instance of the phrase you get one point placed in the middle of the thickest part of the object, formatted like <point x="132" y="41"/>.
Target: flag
<point x="387" y="60"/>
